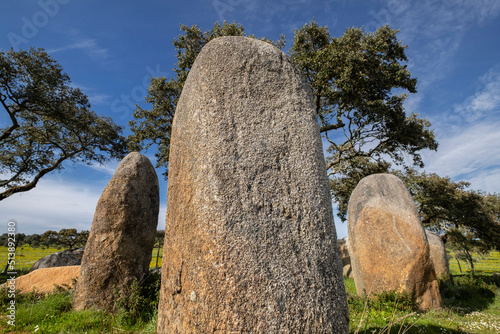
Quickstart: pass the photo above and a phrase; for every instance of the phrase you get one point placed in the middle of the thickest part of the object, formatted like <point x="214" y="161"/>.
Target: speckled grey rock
<point x="250" y="242"/>
<point x="122" y="236"/>
<point x="438" y="255"/>
<point x="67" y="257"/>
<point x="388" y="244"/>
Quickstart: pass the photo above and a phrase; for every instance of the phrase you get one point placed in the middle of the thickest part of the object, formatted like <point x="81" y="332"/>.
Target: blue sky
<point x="110" y="49"/>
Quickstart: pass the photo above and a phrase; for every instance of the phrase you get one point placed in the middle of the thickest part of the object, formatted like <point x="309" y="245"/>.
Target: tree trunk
<point x="471" y="266"/>
<point x="459" y="267"/>
<point x="157" y="255"/>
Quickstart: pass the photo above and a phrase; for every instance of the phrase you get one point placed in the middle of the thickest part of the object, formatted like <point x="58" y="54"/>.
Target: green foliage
<point x="353" y="78"/>
<point x="468" y="219"/>
<point x="469" y="293"/>
<point x="37" y="310"/>
<point x="380" y="311"/>
<point x="50" y="122"/>
<point x="66" y="237"/>
<point x="140" y="303"/>
<point x="53" y="314"/>
<point x="471" y="305"/>
<point x="159" y="240"/>
<point x="153" y="126"/>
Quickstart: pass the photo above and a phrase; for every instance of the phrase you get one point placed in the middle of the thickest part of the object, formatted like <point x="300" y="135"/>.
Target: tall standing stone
<point x="250" y="242"/>
<point x="389" y="248"/>
<point x="438" y="255"/>
<point x="122" y="236"/>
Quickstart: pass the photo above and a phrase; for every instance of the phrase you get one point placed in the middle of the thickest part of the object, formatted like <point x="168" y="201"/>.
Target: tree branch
<point x="13" y="118"/>
<point x="329" y="127"/>
<point x="32" y="184"/>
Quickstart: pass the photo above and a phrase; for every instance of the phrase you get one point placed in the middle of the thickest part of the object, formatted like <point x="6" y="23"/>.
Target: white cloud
<point x="54" y="205"/>
<point x="472" y="155"/>
<point x="89" y="45"/>
<point x="486" y="99"/>
<point x="57" y="203"/>
<point x="108" y="168"/>
<point x="434" y="31"/>
<point x="99" y="98"/>
<point x="162" y="216"/>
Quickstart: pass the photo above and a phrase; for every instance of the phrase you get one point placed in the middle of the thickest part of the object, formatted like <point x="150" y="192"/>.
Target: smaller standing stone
<point x="122" y="236"/>
<point x="346" y="258"/>
<point x="438" y="255"/>
<point x="389" y="248"/>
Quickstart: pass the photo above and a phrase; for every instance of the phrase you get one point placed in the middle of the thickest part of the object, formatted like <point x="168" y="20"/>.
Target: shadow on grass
<point x="469" y="294"/>
<point x="399" y="329"/>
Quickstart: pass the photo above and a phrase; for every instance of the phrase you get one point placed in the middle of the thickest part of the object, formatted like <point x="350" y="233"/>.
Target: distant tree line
<point x="65" y="238"/>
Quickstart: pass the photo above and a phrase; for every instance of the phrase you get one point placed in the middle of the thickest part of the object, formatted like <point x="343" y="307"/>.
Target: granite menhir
<point x="121" y="239"/>
<point x="388" y="244"/>
<point x="250" y="242"/>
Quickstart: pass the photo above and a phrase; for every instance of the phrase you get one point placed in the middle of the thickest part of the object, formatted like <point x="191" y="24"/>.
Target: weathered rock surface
<point x="250" y="242"/>
<point x="346" y="258"/>
<point x="45" y="280"/>
<point x="389" y="248"/>
<point x="121" y="239"/>
<point x="438" y="255"/>
<point x="68" y="257"/>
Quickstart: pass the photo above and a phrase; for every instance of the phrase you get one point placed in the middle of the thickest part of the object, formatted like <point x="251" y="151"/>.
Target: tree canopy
<point x="467" y="219"/>
<point x="153" y="126"/>
<point x="353" y="78"/>
<point x="49" y="122"/>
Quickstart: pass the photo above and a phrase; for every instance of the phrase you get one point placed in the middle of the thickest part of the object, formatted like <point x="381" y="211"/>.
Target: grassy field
<point x="484" y="265"/>
<point x="471" y="305"/>
<point x="26" y="256"/>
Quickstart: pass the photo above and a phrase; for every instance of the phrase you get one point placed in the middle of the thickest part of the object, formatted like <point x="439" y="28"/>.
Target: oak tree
<point x="46" y="122"/>
<point x="360" y="82"/>
<point x="353" y="79"/>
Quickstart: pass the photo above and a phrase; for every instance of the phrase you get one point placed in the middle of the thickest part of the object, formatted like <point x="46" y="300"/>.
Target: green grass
<point x="53" y="313"/>
<point x="483" y="264"/>
<point x="470" y="306"/>
<point x="26" y="256"/>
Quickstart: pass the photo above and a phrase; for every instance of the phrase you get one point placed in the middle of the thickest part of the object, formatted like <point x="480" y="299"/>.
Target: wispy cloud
<point x="467" y="154"/>
<point x="444" y="23"/>
<point x="108" y="168"/>
<point x="468" y="137"/>
<point x="90" y="46"/>
<point x="486" y="100"/>
<point x="99" y="98"/>
<point x="52" y="205"/>
<point x="58" y="203"/>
